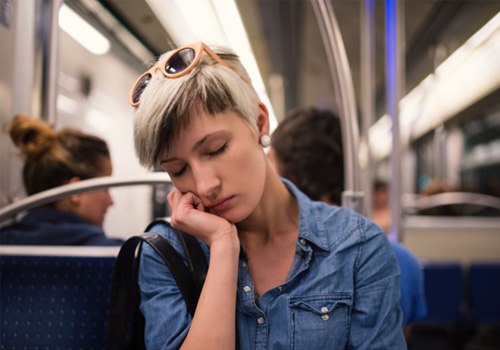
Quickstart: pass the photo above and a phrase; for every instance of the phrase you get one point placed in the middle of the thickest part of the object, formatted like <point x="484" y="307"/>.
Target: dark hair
<point x="380" y="185"/>
<point x="52" y="158"/>
<point x="308" y="145"/>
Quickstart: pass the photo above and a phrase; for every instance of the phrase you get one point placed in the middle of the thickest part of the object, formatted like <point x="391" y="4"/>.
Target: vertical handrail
<point x="367" y="28"/>
<point x="48" y="34"/>
<point x="395" y="84"/>
<point x="352" y="197"/>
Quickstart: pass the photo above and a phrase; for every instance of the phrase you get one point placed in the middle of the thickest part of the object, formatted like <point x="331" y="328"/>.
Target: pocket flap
<point x="321" y="304"/>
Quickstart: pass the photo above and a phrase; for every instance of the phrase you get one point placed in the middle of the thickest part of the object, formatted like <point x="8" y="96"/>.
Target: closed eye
<point x="218" y="151"/>
<point x="179" y="173"/>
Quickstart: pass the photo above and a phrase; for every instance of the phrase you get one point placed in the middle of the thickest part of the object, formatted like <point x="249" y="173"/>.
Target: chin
<point x="235" y="216"/>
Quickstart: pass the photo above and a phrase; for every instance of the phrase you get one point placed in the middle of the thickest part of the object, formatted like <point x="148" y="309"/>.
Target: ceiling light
<point x="467" y="75"/>
<point x="82" y="31"/>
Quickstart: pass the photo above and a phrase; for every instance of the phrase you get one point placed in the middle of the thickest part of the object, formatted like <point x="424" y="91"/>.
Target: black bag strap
<point x="126" y="324"/>
<point x="124" y="320"/>
<point x="196" y="261"/>
<point x="179" y="270"/>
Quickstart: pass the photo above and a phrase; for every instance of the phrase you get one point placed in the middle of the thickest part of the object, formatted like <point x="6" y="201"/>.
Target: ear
<point x="263" y="119"/>
<point x="74" y="199"/>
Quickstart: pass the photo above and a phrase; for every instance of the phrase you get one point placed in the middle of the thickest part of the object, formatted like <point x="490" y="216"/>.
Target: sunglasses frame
<point x="198" y="48"/>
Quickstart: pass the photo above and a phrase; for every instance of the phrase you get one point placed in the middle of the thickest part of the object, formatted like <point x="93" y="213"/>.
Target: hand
<point x="189" y="215"/>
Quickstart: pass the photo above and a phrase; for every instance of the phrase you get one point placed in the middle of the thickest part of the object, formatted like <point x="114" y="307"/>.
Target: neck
<point x="276" y="215"/>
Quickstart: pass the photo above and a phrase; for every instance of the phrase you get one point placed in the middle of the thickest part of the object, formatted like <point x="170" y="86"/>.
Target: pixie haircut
<point x="166" y="104"/>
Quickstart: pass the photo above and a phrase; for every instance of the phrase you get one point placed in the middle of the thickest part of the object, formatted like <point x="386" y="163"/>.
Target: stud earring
<point x="265" y="140"/>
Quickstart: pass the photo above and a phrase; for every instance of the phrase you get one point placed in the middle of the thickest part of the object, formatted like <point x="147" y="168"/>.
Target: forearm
<point x="214" y="323"/>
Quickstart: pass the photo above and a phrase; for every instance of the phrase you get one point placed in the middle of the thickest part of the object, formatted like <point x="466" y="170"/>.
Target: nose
<point x="109" y="198"/>
<point x="206" y="181"/>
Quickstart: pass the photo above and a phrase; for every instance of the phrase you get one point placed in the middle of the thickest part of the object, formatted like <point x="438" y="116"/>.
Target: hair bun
<point x="31" y="135"/>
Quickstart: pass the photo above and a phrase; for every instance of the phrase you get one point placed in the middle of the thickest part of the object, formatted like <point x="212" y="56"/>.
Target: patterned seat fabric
<point x="53" y="302"/>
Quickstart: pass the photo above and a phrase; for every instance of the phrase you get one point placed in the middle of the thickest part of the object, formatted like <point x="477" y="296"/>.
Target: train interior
<point x="425" y="73"/>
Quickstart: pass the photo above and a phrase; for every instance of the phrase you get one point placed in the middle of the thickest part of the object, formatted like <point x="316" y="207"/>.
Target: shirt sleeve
<point x="164" y="309"/>
<point x="419" y="300"/>
<point x="376" y="314"/>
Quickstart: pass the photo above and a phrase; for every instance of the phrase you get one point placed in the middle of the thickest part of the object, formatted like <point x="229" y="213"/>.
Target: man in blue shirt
<point x="307" y="149"/>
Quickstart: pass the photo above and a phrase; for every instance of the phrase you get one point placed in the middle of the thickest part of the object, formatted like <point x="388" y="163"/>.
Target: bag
<point x="126" y="323"/>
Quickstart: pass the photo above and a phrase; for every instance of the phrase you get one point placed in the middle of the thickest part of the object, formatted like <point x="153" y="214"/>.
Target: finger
<point x="173" y="198"/>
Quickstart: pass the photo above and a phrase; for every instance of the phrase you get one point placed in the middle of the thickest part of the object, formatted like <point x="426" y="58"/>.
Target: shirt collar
<point x="311" y="226"/>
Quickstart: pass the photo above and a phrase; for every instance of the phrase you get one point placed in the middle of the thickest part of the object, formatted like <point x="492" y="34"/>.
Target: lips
<point x="220" y="204"/>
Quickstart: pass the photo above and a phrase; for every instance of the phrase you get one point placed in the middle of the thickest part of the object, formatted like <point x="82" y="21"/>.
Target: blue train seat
<point x="444" y="292"/>
<point x="485" y="292"/>
<point x="54" y="302"/>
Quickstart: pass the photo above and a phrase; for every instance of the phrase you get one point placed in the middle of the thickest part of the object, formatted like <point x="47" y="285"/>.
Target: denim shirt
<point x="342" y="291"/>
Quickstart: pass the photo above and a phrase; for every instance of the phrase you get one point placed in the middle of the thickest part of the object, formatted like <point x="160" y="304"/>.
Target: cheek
<point x="245" y="163"/>
<point x="248" y="171"/>
<point x="184" y="183"/>
<point x="95" y="202"/>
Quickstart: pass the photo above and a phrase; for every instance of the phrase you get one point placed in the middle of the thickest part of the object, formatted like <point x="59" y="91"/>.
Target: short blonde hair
<point x="166" y="103"/>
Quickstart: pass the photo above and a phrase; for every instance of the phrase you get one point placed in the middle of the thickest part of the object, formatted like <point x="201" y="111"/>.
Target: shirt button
<point x="324" y="310"/>
<point x="247" y="289"/>
<point x="260" y="320"/>
<point x="325" y="317"/>
<point x="302" y="241"/>
<point x="280" y="289"/>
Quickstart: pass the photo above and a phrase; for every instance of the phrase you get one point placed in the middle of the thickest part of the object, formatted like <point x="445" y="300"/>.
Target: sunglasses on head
<point x="178" y="63"/>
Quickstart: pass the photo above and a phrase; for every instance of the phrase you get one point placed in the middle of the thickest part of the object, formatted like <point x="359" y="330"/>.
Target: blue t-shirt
<point x="412" y="285"/>
<point x="342" y="290"/>
<point x="48" y="226"/>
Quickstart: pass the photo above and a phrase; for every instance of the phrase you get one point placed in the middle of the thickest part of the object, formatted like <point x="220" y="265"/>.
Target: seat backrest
<point x="54" y="302"/>
<point x="443" y="291"/>
<point x="485" y="292"/>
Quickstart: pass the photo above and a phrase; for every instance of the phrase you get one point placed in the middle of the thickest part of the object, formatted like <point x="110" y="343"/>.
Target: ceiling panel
<point x="287" y="43"/>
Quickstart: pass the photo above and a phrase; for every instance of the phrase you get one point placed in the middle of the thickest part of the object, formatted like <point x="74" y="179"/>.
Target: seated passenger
<point x="54" y="158"/>
<point x="306" y="148"/>
<point x="284" y="271"/>
<point x="412" y="285"/>
<point x="381" y="214"/>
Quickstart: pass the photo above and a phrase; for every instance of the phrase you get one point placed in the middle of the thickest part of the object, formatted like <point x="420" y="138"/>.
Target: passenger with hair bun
<point x="54" y="158"/>
<point x="284" y="272"/>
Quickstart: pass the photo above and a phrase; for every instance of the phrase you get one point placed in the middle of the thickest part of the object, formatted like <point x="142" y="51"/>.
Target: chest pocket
<point x="320" y="321"/>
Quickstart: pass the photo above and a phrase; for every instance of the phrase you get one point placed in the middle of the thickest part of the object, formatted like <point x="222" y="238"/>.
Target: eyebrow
<point x="198" y="144"/>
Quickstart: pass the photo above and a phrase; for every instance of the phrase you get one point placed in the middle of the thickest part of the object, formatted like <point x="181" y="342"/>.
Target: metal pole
<point x="367" y="95"/>
<point x="340" y="72"/>
<point x="395" y="84"/>
<point x="48" y="39"/>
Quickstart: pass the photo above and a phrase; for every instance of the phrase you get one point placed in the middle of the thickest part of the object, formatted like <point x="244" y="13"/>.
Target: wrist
<point x="226" y="243"/>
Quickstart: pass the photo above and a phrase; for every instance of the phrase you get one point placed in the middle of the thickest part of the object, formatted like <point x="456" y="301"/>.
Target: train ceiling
<point x="287" y="43"/>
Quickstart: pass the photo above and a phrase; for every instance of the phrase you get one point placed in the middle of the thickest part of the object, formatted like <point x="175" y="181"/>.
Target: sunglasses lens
<point x="180" y="61"/>
<point x="140" y="86"/>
